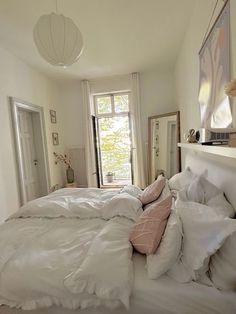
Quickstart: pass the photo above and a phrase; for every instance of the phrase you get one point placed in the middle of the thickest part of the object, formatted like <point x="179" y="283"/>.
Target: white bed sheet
<point x="162" y="296"/>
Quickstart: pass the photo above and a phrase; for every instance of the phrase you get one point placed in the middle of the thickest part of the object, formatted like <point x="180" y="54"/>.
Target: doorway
<point x="113" y="140"/>
<point x="30" y="147"/>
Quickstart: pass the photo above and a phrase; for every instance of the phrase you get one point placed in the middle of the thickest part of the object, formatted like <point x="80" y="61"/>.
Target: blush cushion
<point x="147" y="233"/>
<point x="153" y="191"/>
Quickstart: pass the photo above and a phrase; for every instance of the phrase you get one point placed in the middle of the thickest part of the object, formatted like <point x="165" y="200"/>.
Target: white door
<point x="30" y="160"/>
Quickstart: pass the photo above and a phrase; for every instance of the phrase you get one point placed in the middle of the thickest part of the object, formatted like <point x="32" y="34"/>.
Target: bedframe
<point x="165" y="295"/>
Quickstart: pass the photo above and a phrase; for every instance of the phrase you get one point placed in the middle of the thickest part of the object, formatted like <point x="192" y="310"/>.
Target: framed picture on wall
<point x="55" y="138"/>
<point x="53" y="116"/>
<point x="214" y="58"/>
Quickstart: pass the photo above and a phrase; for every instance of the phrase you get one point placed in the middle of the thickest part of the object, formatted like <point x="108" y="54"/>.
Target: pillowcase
<point x="132" y="190"/>
<point x="195" y="191"/>
<point x="168" y="250"/>
<point x="202" y="191"/>
<point x="223" y="265"/>
<point x="164" y="194"/>
<point x="181" y="179"/>
<point x="153" y="191"/>
<point x="204" y="232"/>
<point x="221" y="206"/>
<point x="147" y="232"/>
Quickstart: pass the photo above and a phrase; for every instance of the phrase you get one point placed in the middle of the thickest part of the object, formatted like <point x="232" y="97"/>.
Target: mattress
<point x="162" y="296"/>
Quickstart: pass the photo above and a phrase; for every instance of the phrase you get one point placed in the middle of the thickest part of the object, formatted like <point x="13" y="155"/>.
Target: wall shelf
<point x="224" y="151"/>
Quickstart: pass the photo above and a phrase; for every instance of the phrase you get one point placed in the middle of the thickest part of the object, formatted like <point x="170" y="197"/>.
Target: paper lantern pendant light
<point x="58" y="39"/>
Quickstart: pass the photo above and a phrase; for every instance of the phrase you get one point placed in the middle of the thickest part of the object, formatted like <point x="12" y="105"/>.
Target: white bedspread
<point x="161" y="296"/>
<point x="70" y="248"/>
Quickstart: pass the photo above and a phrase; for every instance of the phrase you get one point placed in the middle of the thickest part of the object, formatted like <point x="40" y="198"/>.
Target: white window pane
<point x="121" y="103"/>
<point x="104" y="104"/>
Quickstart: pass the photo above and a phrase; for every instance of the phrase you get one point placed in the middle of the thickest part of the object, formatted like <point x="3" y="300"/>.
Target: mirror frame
<point x="177" y="113"/>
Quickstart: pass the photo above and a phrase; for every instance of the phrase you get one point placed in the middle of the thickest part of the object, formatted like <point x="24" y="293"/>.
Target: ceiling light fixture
<point x="58" y="39"/>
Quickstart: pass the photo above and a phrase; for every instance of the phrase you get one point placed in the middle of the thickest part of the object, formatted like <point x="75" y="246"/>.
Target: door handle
<point x="35" y="162"/>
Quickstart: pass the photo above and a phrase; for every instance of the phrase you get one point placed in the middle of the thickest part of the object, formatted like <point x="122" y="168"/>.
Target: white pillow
<point x="200" y="190"/>
<point x="169" y="249"/>
<point x="195" y="191"/>
<point x="223" y="265"/>
<point x="132" y="190"/>
<point x="181" y="179"/>
<point x="221" y="206"/>
<point x="219" y="203"/>
<point x="204" y="231"/>
<point x="210" y="190"/>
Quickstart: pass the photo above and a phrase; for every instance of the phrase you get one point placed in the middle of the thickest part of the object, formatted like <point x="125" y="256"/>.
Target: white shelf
<point x="224" y="151"/>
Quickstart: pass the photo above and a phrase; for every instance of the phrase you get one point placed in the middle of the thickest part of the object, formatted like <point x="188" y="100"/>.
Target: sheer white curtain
<point x="137" y="149"/>
<point x="89" y="138"/>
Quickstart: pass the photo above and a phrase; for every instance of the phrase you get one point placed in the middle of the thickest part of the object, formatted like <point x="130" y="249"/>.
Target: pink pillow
<point x="152" y="192"/>
<point x="147" y="232"/>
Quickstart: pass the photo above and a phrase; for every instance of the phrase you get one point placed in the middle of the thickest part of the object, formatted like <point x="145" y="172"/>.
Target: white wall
<point x="187" y="66"/>
<point x="157" y="96"/>
<point x="72" y="111"/>
<point x="20" y="81"/>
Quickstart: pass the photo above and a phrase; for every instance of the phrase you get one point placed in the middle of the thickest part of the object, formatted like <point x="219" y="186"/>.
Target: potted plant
<point x="109" y="176"/>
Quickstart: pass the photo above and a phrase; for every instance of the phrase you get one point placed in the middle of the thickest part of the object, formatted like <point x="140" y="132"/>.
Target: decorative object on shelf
<point x="55" y="138"/>
<point x="70" y="176"/>
<point x="214" y="58"/>
<point x="230" y="88"/>
<point x="58" y="39"/>
<point x="191" y="136"/>
<point x="53" y="116"/>
<point x="110" y="176"/>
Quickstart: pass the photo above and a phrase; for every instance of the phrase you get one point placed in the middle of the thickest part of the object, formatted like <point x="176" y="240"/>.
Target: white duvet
<point x="70" y="248"/>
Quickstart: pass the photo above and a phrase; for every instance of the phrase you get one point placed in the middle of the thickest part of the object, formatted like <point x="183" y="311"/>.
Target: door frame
<point x="17" y="104"/>
<point x="170" y="125"/>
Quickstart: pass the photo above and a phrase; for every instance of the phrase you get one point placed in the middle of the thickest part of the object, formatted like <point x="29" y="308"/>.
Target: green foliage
<point x="104" y="104"/>
<point x="121" y="103"/>
<point x="115" y="145"/>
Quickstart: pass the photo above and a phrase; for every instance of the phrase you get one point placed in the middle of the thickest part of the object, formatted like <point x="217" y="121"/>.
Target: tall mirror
<point x="163" y="136"/>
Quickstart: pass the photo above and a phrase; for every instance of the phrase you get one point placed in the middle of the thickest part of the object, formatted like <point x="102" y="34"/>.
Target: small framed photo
<point x="53" y="116"/>
<point x="55" y="138"/>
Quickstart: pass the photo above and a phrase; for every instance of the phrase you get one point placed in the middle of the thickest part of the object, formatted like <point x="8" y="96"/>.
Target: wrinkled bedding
<point x="58" y="250"/>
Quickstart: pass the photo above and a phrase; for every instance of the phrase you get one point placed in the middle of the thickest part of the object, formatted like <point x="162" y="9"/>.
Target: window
<point x="113" y="139"/>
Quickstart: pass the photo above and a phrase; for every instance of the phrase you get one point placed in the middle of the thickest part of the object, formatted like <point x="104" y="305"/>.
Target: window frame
<point x="113" y="112"/>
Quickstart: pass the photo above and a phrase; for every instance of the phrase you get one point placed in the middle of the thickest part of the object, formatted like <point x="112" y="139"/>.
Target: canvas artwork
<point x="214" y="57"/>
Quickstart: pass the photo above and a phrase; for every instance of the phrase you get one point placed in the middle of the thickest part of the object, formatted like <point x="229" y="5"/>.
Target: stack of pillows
<point x="158" y="232"/>
<point x="193" y="240"/>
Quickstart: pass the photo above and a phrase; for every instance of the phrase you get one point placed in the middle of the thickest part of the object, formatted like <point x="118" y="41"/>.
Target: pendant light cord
<point x="56" y="8"/>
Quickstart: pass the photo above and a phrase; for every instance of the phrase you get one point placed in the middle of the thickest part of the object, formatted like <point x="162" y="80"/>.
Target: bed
<point x="36" y="266"/>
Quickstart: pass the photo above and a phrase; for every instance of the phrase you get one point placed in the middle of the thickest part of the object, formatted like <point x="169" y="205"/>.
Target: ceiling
<point x="120" y="36"/>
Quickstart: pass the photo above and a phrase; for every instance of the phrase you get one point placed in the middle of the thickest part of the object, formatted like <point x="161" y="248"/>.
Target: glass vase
<point x="70" y="175"/>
